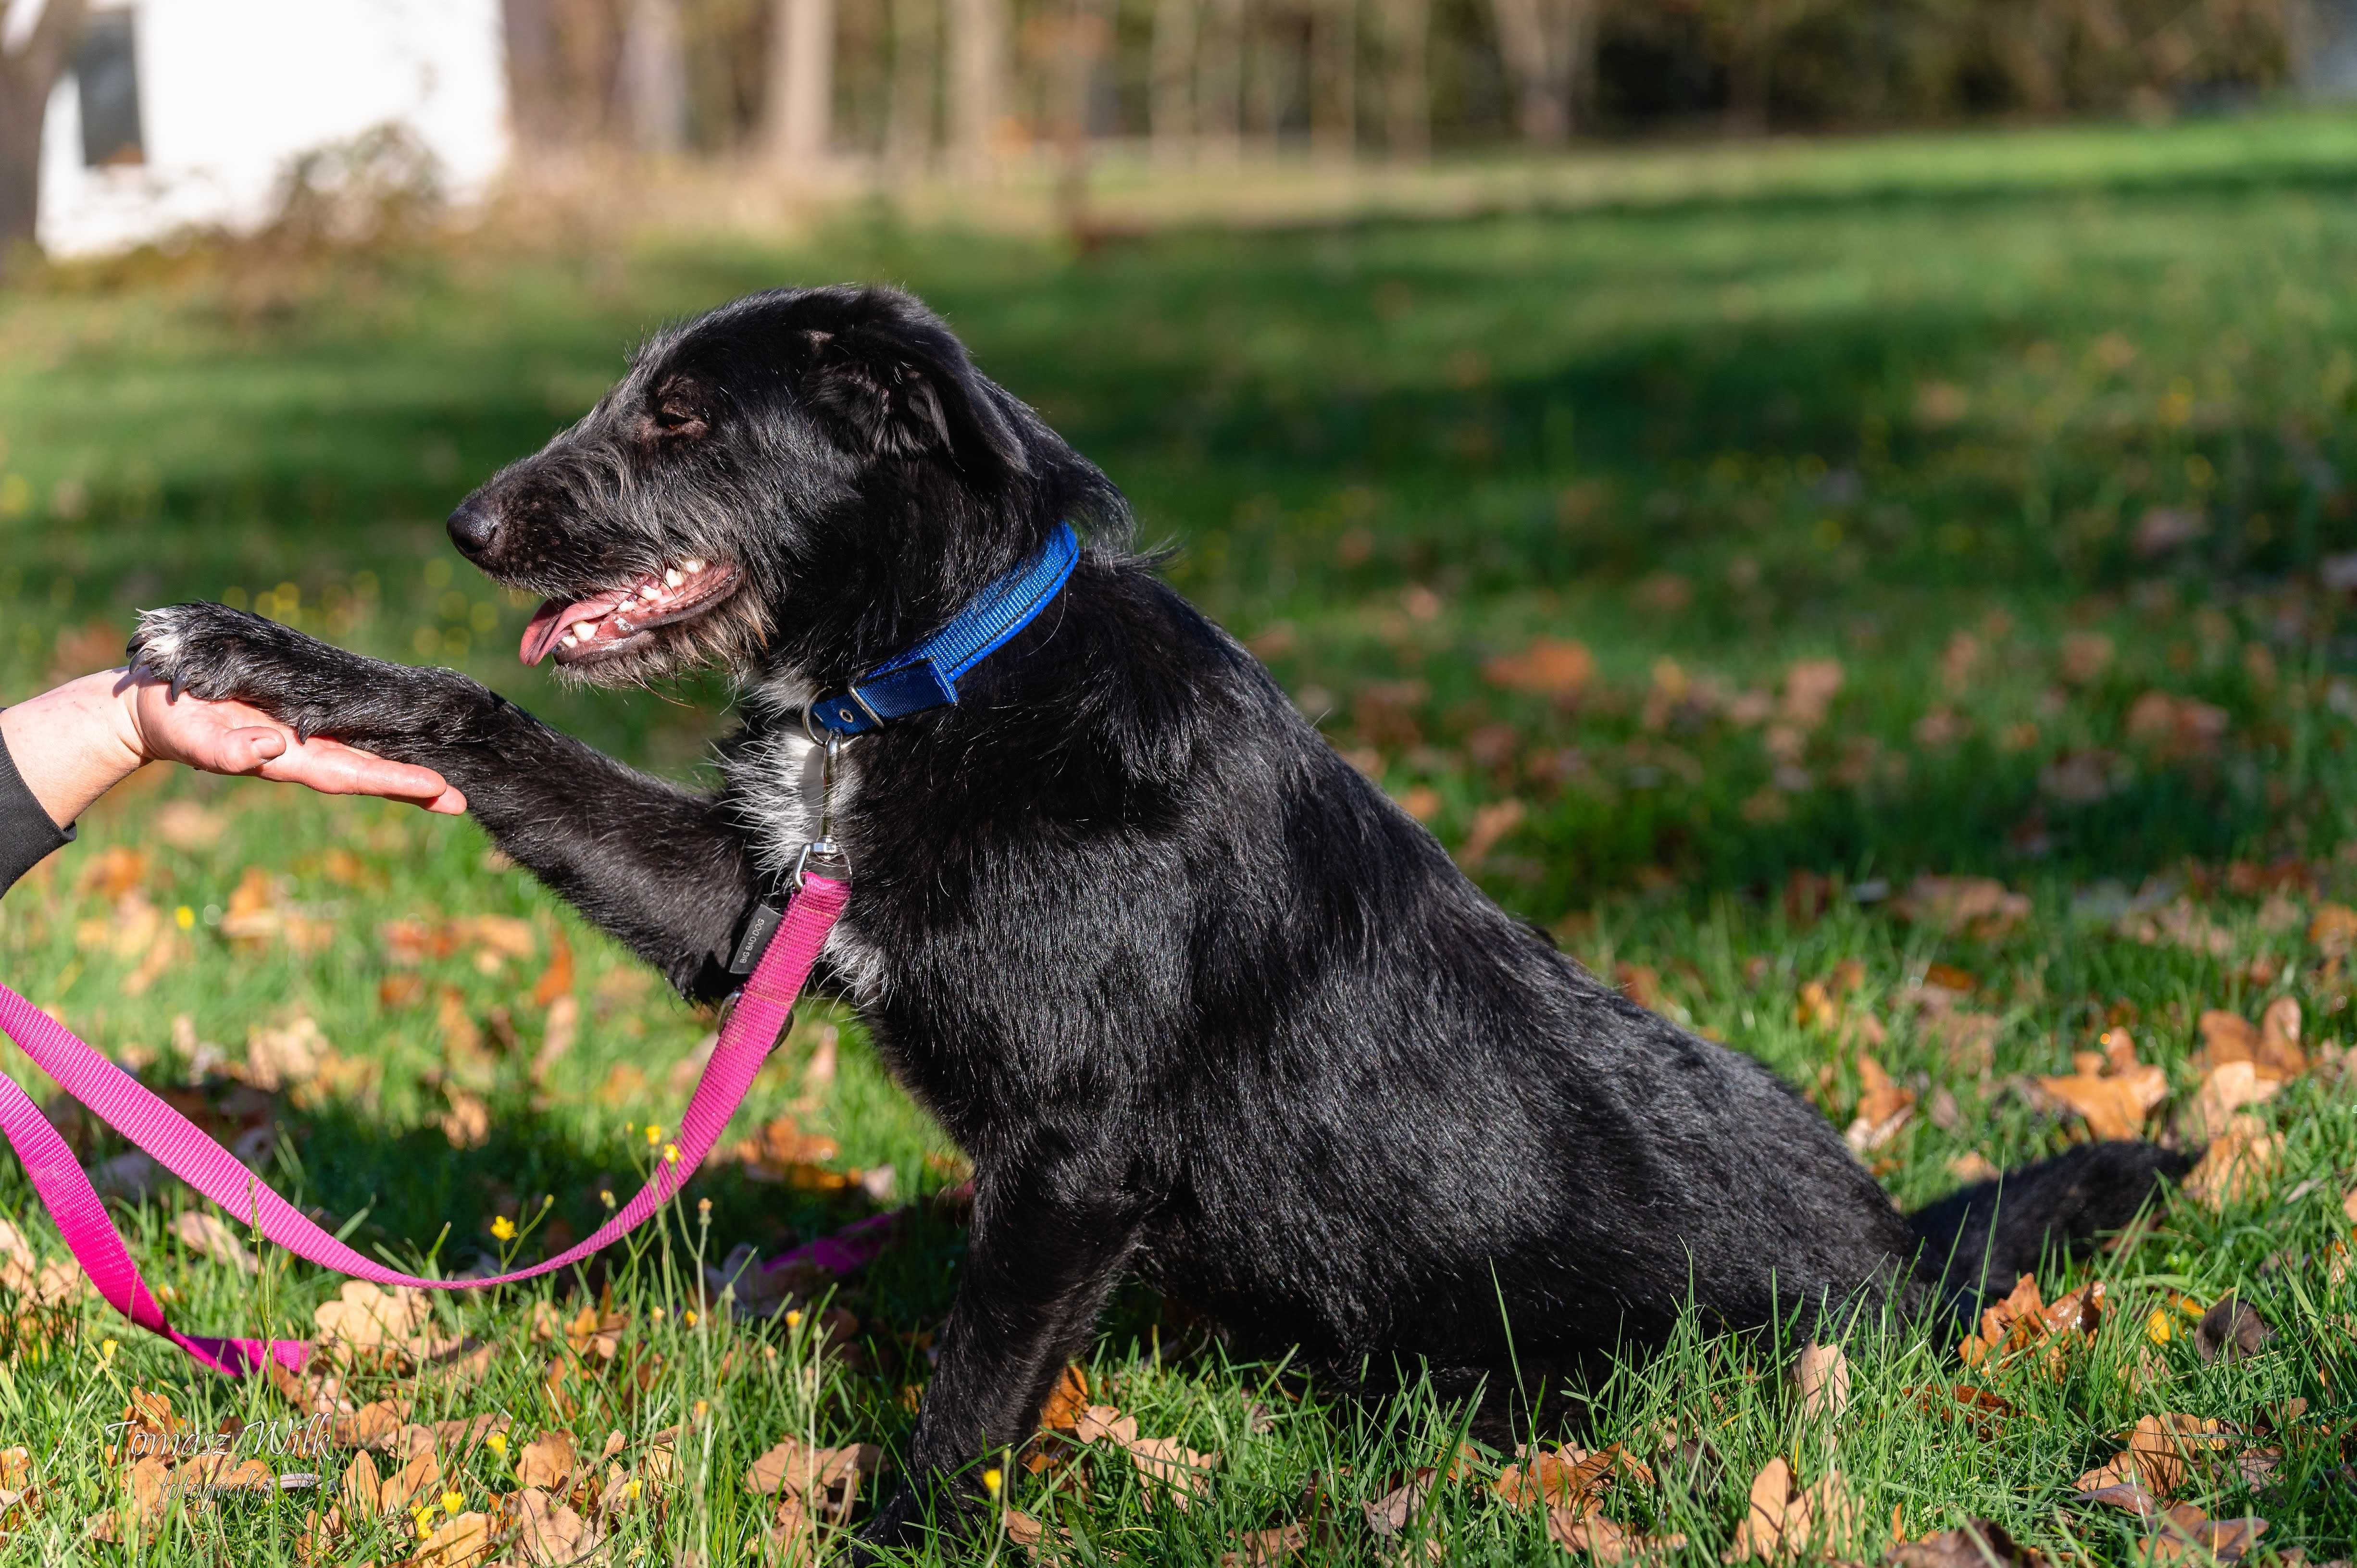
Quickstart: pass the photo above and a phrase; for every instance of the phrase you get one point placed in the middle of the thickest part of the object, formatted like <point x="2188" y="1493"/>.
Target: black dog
<point x="1198" y="999"/>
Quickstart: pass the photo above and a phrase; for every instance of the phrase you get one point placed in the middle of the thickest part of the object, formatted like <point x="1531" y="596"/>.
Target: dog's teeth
<point x="692" y="565"/>
<point x="631" y="603"/>
<point x="671" y="579"/>
<point x="571" y="641"/>
<point x="584" y="629"/>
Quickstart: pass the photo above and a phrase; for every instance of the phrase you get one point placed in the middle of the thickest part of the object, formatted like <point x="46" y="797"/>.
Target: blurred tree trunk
<point x="653" y="77"/>
<point x="27" y="73"/>
<point x="1548" y="47"/>
<point x="1220" y="80"/>
<point x="1408" y="91"/>
<point x="1334" y="78"/>
<point x="1171" y="106"/>
<point x="535" y="72"/>
<point x="916" y="59"/>
<point x="977" y="80"/>
<point x="801" y="112"/>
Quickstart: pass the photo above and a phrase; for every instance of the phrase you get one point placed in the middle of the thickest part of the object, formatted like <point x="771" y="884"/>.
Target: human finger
<point x="334" y="768"/>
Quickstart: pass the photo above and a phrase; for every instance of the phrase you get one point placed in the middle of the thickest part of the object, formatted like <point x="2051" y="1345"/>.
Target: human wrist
<point x="72" y="744"/>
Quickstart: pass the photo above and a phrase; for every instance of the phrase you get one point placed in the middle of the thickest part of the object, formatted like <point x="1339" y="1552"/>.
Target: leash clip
<point x="824" y="847"/>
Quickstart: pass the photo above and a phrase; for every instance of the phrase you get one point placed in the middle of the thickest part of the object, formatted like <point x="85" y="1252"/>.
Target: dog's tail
<point x="1988" y="1235"/>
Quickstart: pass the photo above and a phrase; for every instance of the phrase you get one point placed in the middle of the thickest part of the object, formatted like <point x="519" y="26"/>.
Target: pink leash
<point x="118" y="1100"/>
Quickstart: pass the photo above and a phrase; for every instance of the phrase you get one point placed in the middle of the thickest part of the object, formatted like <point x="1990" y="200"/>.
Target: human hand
<point x="230" y="737"/>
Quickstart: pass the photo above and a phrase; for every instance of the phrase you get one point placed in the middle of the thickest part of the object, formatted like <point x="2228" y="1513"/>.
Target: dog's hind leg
<point x="666" y="871"/>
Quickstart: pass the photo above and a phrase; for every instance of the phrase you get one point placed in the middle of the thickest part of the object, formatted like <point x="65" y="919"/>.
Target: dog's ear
<point x="893" y="389"/>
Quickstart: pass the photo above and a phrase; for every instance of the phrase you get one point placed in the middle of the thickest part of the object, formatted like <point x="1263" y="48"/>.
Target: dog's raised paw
<point x="210" y="651"/>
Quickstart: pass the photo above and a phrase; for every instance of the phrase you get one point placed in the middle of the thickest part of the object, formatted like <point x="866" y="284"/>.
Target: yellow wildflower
<point x="992" y="1480"/>
<point x="503" y="1229"/>
<point x="654" y="1134"/>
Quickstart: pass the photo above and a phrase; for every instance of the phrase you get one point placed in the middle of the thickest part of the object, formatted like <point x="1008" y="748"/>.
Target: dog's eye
<point x="675" y="418"/>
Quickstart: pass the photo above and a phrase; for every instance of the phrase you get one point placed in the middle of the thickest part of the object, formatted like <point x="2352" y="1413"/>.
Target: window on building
<point x="106" y="68"/>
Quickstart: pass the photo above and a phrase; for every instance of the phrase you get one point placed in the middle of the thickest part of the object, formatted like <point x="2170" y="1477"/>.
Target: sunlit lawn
<point x="1705" y="568"/>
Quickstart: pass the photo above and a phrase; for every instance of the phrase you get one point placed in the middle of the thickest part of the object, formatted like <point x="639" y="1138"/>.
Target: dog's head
<point x="800" y="482"/>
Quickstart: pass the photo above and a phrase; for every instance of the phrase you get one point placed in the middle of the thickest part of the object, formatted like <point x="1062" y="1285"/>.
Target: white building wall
<point x="231" y="90"/>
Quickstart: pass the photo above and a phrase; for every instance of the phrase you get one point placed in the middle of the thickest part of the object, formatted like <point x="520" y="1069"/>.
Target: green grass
<point x="1910" y="412"/>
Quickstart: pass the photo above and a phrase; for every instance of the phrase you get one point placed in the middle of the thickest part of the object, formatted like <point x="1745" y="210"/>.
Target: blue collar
<point x="926" y="676"/>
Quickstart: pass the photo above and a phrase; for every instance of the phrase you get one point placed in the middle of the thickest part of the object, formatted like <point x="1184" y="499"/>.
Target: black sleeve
<point x="26" y="834"/>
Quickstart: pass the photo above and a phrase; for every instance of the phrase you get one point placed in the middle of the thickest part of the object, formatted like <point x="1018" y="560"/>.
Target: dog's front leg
<point x="660" y="868"/>
<point x="1045" y="1251"/>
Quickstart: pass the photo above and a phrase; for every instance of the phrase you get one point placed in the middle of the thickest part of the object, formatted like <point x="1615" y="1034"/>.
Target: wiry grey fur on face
<point x="747" y="442"/>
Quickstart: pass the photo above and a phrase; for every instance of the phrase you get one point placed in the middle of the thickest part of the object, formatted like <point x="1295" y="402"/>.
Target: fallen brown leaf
<point x="1549" y="666"/>
<point x="1822" y="1376"/>
<point x="2231" y="1327"/>
<point x="1976" y="1543"/>
<point x="2161" y="1450"/>
<point x="1167" y="1465"/>
<point x="1786" y="1521"/>
<point x="1066" y="1399"/>
<point x="1883" y="1108"/>
<point x="2024" y="1320"/>
<point x="2110" y="1090"/>
<point x="2186" y="1532"/>
<point x="547" y="1462"/>
<point x="204" y="1233"/>
<point x="1256" y="1549"/>
<point x="2238" y="1161"/>
<point x="1603" y="1540"/>
<point x="550" y="1533"/>
<point x="1977" y="906"/>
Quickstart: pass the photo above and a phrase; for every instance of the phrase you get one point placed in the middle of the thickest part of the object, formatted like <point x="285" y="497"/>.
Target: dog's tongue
<point x="549" y="621"/>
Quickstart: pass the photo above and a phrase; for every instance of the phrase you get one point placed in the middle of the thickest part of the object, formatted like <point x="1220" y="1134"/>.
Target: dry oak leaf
<point x="1822" y="1375"/>
<point x="1976" y="1408"/>
<point x="461" y="1542"/>
<point x="1603" y="1540"/>
<point x="1099" y="1422"/>
<point x="1550" y="667"/>
<point x="2231" y="1327"/>
<point x="2238" y="1162"/>
<point x="2185" y="1532"/>
<point x="1977" y="906"/>
<point x="1784" y="1521"/>
<point x="2334" y="931"/>
<point x="364" y="1316"/>
<point x="2272" y="1047"/>
<point x="2110" y="1090"/>
<point x="1883" y="1108"/>
<point x="549" y="1534"/>
<point x="419" y="1476"/>
<point x="2024" y="1320"/>
<point x="547" y="1462"/>
<point x="1563" y="1478"/>
<point x="2226" y="1089"/>
<point x="204" y="1233"/>
<point x="1256" y="1549"/>
<point x="1166" y="1463"/>
<point x="1066" y="1401"/>
<point x="827" y="1480"/>
<point x="2161" y="1450"/>
<point x="1976" y="1543"/>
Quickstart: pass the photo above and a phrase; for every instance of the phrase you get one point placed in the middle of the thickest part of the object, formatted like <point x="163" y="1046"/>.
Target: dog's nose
<point x="472" y="528"/>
